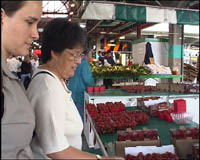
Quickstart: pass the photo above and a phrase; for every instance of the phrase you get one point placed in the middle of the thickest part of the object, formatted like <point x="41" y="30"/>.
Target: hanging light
<point x="71" y="13"/>
<point x="72" y="5"/>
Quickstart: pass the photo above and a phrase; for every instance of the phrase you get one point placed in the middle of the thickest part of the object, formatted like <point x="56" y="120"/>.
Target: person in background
<point x="26" y="69"/>
<point x="13" y="65"/>
<point x="19" y="70"/>
<point x="19" y="21"/>
<point x="80" y="81"/>
<point x="109" y="61"/>
<point x="34" y="62"/>
<point x="58" y="123"/>
<point x="100" y="58"/>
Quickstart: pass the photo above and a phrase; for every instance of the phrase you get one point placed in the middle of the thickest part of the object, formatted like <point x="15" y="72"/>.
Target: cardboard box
<point x="177" y="88"/>
<point x="183" y="147"/>
<point x="163" y="87"/>
<point x="195" y="151"/>
<point x="120" y="145"/>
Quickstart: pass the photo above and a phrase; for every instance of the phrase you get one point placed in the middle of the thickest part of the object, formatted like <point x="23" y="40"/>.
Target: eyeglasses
<point x="76" y="56"/>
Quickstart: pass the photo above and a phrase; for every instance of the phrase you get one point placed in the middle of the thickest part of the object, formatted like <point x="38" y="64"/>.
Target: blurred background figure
<point x="13" y="65"/>
<point x="26" y="69"/>
<point x="34" y="62"/>
<point x="100" y="58"/>
<point x="109" y="58"/>
<point x="108" y="61"/>
<point x="80" y="81"/>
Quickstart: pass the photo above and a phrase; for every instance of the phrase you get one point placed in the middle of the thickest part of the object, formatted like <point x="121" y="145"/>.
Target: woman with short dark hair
<point x="58" y="123"/>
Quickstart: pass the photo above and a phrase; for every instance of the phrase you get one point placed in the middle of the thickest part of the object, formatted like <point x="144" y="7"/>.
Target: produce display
<point x="137" y="135"/>
<point x="190" y="73"/>
<point x="110" y="107"/>
<point x="138" y="89"/>
<point x="154" y="156"/>
<point x="162" y="110"/>
<point x="110" y="117"/>
<point x="158" y="69"/>
<point x="178" y="87"/>
<point x="103" y="124"/>
<point x="92" y="109"/>
<point x="125" y="71"/>
<point x="185" y="133"/>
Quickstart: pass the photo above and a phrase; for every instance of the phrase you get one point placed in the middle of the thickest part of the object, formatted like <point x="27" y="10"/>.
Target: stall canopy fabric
<point x="103" y="11"/>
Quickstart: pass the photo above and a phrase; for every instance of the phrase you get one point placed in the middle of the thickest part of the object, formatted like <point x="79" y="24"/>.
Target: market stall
<point x="106" y="142"/>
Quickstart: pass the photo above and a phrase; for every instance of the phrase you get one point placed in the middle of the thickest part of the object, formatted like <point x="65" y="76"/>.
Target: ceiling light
<point x="122" y="37"/>
<point x="112" y="40"/>
<point x="103" y="32"/>
<point x="72" y="5"/>
<point x="82" y="25"/>
<point x="71" y="13"/>
<point x="70" y="19"/>
<point x="110" y="44"/>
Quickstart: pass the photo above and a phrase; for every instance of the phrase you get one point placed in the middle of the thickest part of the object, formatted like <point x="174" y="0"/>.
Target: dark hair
<point x="10" y="7"/>
<point x="60" y="34"/>
<point x="87" y="51"/>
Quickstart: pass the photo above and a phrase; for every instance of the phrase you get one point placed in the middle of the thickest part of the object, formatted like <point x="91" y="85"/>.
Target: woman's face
<point x="67" y="62"/>
<point x="19" y="30"/>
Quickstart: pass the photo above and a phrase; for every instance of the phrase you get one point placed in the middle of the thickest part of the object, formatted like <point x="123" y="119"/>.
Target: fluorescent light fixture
<point x="72" y="5"/>
<point x="122" y="37"/>
<point x="103" y="32"/>
<point x="55" y="15"/>
<point x="82" y="25"/>
<point x="112" y="40"/>
<point x="110" y="44"/>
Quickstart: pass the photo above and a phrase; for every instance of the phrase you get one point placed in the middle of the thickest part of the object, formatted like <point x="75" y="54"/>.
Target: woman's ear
<point x="53" y="55"/>
<point x="2" y="15"/>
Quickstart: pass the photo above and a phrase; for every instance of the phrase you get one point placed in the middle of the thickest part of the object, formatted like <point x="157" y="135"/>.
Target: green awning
<point x="142" y="14"/>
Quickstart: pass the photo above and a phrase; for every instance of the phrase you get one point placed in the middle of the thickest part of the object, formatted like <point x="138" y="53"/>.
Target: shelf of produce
<point x="140" y="77"/>
<point x="162" y="126"/>
<point x="160" y="76"/>
<point x="121" y="93"/>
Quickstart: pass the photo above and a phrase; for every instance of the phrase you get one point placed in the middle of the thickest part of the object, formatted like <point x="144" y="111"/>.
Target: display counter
<point x="106" y="141"/>
<point x="130" y="100"/>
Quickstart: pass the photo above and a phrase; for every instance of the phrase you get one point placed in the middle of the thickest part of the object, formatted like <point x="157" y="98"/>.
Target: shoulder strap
<point x="2" y="104"/>
<point x="2" y="96"/>
<point x="26" y="83"/>
<point x="42" y="72"/>
<point x="34" y="133"/>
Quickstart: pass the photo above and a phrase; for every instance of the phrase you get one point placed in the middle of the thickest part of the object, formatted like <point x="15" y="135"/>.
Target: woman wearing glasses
<point x="80" y="81"/>
<point x="58" y="123"/>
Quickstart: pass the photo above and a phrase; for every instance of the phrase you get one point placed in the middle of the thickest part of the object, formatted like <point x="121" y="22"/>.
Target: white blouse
<point x="58" y="123"/>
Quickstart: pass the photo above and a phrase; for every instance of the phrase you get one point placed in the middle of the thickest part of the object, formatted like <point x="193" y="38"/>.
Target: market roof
<point x="74" y="10"/>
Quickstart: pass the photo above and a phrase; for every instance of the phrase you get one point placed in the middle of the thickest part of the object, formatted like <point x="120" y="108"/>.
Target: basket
<point x="182" y="118"/>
